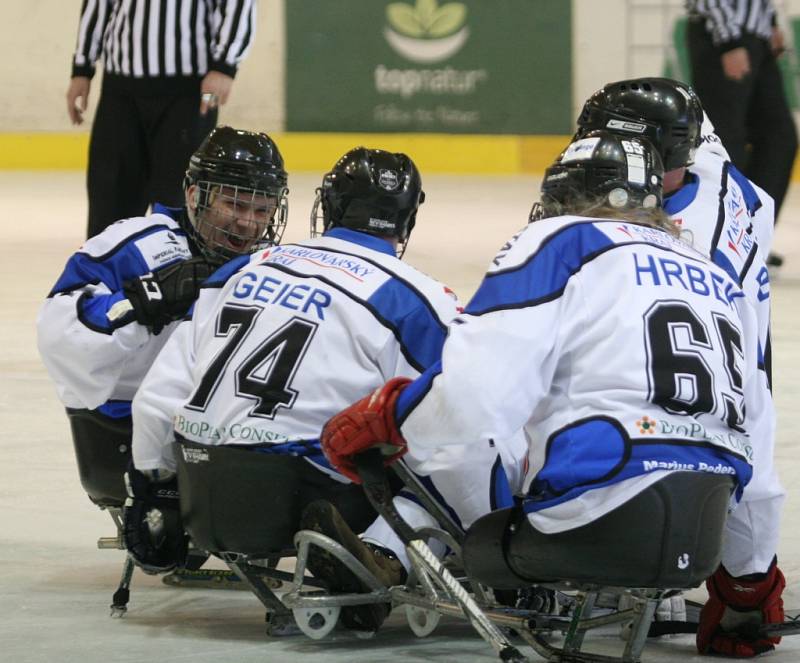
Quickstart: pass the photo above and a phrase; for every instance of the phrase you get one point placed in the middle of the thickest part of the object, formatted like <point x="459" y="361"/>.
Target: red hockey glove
<point x="736" y="608"/>
<point x="365" y="424"/>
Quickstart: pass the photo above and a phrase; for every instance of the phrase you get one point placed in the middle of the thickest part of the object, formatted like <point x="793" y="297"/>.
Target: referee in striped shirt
<point x="733" y="46"/>
<point x="168" y="65"/>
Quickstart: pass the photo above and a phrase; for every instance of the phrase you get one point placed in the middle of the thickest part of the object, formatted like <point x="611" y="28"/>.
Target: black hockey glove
<point x="151" y="523"/>
<point x="166" y="294"/>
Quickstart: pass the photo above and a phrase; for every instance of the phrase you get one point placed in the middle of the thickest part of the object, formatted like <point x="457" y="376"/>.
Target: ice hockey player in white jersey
<point x="280" y="342"/>
<point x="120" y="295"/>
<point x="729" y="219"/>
<point x="627" y="356"/>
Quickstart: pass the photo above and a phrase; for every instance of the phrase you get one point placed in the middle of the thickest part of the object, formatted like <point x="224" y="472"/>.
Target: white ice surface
<point x="55" y="585"/>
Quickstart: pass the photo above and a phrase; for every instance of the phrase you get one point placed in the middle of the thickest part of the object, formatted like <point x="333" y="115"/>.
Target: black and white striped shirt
<point x="728" y="20"/>
<point x="144" y="39"/>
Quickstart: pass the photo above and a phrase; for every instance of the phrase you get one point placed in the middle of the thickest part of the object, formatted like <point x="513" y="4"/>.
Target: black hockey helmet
<point x="624" y="172"/>
<point x="372" y="191"/>
<point x="665" y="111"/>
<point x="242" y="169"/>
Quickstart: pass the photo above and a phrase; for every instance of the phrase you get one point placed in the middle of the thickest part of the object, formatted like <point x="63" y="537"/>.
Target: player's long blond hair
<point x="655" y="217"/>
<point x="599" y="208"/>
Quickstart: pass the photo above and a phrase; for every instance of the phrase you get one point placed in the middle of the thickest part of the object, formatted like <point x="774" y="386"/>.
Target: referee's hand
<point x="214" y="90"/>
<point x="777" y="42"/>
<point x="77" y="98"/>
<point x="736" y="63"/>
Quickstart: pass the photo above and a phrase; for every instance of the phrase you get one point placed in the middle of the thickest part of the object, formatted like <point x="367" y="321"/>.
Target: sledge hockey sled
<point x="667" y="538"/>
<point x="227" y="511"/>
<point x="103" y="452"/>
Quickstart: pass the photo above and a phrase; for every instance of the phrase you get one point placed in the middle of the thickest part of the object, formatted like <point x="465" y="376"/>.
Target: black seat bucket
<point x="668" y="536"/>
<point x="103" y="451"/>
<point x="230" y="498"/>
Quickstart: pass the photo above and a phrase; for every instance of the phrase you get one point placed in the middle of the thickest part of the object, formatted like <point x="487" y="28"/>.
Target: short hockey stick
<point x="373" y="476"/>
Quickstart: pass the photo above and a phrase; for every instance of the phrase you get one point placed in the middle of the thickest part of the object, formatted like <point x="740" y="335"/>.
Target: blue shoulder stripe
<point x="407" y="311"/>
<point x="365" y="241"/>
<point x="680" y="200"/>
<point x="751" y="198"/>
<point x="121" y="263"/>
<point x="415" y="350"/>
<point x="174" y="213"/>
<point x="544" y="275"/>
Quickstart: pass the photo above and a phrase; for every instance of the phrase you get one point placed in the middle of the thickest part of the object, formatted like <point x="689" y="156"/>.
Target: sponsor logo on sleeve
<point x="161" y="248"/>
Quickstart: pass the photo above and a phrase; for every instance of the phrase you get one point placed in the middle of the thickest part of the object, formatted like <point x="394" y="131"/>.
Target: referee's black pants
<point x="139" y="150"/>
<point x="750" y="113"/>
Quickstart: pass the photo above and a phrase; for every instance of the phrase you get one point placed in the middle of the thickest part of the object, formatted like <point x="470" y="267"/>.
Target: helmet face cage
<point x="239" y="200"/>
<point x="231" y="220"/>
<point x="625" y="173"/>
<point x="665" y="111"/>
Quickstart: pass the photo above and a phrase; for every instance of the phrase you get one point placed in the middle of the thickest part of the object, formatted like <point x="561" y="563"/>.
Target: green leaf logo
<point x="426" y="19"/>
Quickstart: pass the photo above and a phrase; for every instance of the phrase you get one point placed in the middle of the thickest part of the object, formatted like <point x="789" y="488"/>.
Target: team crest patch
<point x="388" y="179"/>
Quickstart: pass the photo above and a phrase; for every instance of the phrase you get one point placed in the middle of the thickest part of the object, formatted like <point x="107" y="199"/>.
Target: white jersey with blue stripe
<point x="279" y="344"/>
<point x="97" y="362"/>
<point x="729" y="219"/>
<point x="622" y="352"/>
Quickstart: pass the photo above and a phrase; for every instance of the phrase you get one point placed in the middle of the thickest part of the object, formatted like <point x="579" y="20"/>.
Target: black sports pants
<point x="753" y="111"/>
<point x="139" y="150"/>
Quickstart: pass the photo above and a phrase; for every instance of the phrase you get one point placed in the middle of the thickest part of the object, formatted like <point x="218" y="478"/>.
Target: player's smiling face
<point x="235" y="219"/>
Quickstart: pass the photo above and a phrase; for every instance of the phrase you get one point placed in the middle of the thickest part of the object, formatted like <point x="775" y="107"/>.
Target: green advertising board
<point x="474" y="66"/>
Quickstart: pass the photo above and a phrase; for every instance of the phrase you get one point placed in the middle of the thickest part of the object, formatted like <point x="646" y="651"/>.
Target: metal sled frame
<point x="102" y="452"/>
<point x="432" y="591"/>
<point x="119" y="602"/>
<point x="427" y="597"/>
<point x="316" y="613"/>
<point x="260" y="576"/>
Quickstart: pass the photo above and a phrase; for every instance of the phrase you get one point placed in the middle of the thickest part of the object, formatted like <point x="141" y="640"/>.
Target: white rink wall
<point x="37" y="39"/>
<point x="611" y="39"/>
